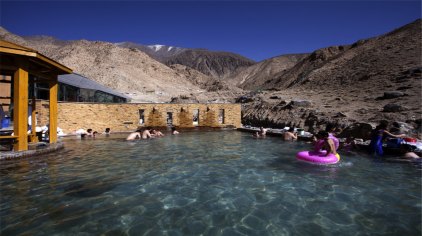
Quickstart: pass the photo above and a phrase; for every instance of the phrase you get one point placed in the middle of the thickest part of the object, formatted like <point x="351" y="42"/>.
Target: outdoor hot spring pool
<point x="205" y="183"/>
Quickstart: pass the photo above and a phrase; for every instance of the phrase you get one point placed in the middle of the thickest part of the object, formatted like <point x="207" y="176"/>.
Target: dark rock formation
<point x="357" y="130"/>
<point x="391" y="107"/>
<point x="393" y="94"/>
<point x="215" y="64"/>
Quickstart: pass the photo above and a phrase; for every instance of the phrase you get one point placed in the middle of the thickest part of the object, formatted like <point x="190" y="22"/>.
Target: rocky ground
<point x="312" y="110"/>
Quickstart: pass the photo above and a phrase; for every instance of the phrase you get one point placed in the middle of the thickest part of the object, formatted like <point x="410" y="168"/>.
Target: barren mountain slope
<point x="214" y="64"/>
<point x="256" y="75"/>
<point x="158" y="52"/>
<point x="374" y="79"/>
<point x="378" y="60"/>
<point x="126" y="70"/>
<point x="205" y="82"/>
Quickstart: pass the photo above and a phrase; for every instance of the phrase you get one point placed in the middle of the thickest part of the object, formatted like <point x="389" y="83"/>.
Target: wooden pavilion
<point x="24" y="66"/>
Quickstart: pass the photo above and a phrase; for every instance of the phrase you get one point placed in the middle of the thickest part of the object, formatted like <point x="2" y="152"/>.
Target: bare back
<point x="146" y="134"/>
<point x="133" y="136"/>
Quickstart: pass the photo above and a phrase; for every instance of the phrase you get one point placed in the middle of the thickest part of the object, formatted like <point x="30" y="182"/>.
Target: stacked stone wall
<point x="125" y="117"/>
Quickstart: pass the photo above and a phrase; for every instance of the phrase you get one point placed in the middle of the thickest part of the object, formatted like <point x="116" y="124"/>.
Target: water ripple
<point x="204" y="183"/>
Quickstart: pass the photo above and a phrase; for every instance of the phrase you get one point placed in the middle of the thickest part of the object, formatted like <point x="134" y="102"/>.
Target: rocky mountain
<point x="203" y="81"/>
<point x="158" y="52"/>
<point x="211" y="63"/>
<point x="256" y="75"/>
<point x="366" y="61"/>
<point x="127" y="70"/>
<point x="370" y="80"/>
<point x="214" y="64"/>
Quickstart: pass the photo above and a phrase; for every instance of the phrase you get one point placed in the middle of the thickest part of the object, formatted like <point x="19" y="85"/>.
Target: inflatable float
<point x="318" y="157"/>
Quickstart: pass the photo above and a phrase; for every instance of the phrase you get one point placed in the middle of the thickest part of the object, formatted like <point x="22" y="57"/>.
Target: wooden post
<point x="20" y="112"/>
<point x="52" y="129"/>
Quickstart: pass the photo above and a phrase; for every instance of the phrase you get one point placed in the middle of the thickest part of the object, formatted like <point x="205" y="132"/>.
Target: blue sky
<point x="255" y="29"/>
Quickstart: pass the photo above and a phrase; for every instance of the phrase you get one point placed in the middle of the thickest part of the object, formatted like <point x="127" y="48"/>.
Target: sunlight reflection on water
<point x="210" y="183"/>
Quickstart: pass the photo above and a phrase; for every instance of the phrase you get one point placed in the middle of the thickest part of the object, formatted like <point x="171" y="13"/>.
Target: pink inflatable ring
<point x="318" y="157"/>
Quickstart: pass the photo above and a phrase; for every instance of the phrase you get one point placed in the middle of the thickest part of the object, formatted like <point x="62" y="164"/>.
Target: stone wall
<point x="126" y="117"/>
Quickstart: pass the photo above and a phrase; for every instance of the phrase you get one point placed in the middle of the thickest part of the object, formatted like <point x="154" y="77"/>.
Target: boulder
<point x="300" y="103"/>
<point x="357" y="130"/>
<point x="391" y="107"/>
<point x="244" y="99"/>
<point x="184" y="99"/>
<point x="393" y="94"/>
<point x="341" y="114"/>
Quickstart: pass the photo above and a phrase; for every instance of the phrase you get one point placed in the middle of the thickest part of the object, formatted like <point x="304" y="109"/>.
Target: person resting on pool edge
<point x="290" y="135"/>
<point x="261" y="134"/>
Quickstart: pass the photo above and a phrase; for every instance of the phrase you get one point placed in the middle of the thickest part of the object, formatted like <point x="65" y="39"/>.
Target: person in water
<point x="408" y="152"/>
<point x="174" y="131"/>
<point x="349" y="145"/>
<point x="378" y="135"/>
<point x="329" y="144"/>
<point x="261" y="134"/>
<point x="157" y="133"/>
<point x="146" y="134"/>
<point x="290" y="135"/>
<point x="107" y="131"/>
<point x="331" y="131"/>
<point x="135" y="135"/>
<point x="318" y="141"/>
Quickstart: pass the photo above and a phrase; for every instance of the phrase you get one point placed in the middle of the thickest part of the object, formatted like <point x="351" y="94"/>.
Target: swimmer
<point x="174" y="131"/>
<point x="134" y="135"/>
<point x="408" y="152"/>
<point x="329" y="144"/>
<point x="146" y="134"/>
<point x="157" y="133"/>
<point x="377" y="137"/>
<point x="289" y="135"/>
<point x="331" y="131"/>
<point x="261" y="134"/>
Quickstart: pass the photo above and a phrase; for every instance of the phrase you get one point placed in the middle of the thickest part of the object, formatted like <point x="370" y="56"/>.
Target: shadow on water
<point x="90" y="188"/>
<point x="294" y="166"/>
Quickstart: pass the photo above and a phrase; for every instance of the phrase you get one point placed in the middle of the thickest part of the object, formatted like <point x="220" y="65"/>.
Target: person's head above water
<point x="330" y="128"/>
<point x="383" y="124"/>
<point x="323" y="134"/>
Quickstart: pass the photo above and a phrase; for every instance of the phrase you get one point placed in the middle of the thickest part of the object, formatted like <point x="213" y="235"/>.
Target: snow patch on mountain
<point x="156" y="47"/>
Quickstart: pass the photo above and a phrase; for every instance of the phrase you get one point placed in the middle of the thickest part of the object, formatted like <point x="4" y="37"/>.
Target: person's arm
<point x="394" y="135"/>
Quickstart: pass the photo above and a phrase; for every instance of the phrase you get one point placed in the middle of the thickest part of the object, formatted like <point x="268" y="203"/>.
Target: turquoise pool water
<point x="205" y="183"/>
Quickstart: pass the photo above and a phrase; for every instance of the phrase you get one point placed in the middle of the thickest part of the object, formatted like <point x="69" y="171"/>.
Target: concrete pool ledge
<point x="34" y="150"/>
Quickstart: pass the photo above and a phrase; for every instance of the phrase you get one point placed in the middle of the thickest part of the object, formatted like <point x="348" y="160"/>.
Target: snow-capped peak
<point x="155" y="47"/>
